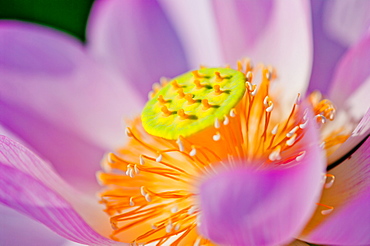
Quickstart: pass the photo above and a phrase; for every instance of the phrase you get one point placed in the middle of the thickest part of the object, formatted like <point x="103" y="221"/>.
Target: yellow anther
<point x="182" y="114"/>
<point x="165" y="111"/>
<point x="175" y="84"/>
<point x="162" y="100"/>
<point x="189" y="98"/>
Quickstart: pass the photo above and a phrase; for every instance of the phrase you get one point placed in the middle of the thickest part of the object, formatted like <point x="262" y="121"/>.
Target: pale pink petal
<point x="351" y="72"/>
<point x="277" y="33"/>
<point x="18" y="229"/>
<point x="327" y="51"/>
<point x="241" y="25"/>
<point x="349" y="222"/>
<point x="135" y="38"/>
<point x="55" y="98"/>
<point x="198" y="32"/>
<point x="264" y="206"/>
<point x="347" y="21"/>
<point x="30" y="186"/>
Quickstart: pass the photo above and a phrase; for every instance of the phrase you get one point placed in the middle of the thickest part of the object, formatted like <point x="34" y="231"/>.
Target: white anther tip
<point x="217" y="124"/>
<point x="216" y="137"/>
<point x="270" y="108"/>
<point x="327" y="211"/>
<point x="193" y="152"/>
<point x="159" y="158"/>
<point x="226" y="120"/>
<point x="142" y="162"/>
<point x="147" y="198"/>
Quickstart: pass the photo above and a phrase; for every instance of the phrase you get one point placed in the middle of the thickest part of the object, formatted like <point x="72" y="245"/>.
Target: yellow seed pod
<point x="192" y="101"/>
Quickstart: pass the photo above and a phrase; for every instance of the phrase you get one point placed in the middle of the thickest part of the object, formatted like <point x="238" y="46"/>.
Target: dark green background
<point x="66" y="15"/>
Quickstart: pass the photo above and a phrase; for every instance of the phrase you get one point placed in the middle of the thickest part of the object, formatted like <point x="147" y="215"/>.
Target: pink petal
<point x="351" y="73"/>
<point x="55" y="98"/>
<point x="349" y="222"/>
<point x="337" y="25"/>
<point x="265" y="32"/>
<point x="198" y="34"/>
<point x="327" y="51"/>
<point x="135" y="38"/>
<point x="264" y="206"/>
<point x="13" y="224"/>
<point x="30" y="186"/>
<point x="347" y="21"/>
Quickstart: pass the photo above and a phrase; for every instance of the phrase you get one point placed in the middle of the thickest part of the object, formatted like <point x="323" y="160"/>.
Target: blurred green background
<point x="66" y="15"/>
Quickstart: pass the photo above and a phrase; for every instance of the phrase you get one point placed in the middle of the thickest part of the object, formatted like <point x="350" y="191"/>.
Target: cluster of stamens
<point x="154" y="179"/>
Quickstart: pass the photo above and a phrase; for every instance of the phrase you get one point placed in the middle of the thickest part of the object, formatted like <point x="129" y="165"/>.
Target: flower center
<point x="193" y="125"/>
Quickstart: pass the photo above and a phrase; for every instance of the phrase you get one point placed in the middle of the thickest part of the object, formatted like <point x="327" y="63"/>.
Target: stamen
<point x="217" y="137"/>
<point x="159" y="158"/>
<point x="226" y="120"/>
<point x="289" y="134"/>
<point x="128" y="132"/>
<point x="180" y="144"/>
<point x="275" y="129"/>
<point x="141" y="161"/>
<point x="326" y="211"/>
<point x="291" y="140"/>
<point x="331" y="181"/>
<point x="193" y="151"/>
<point x="132" y="202"/>
<point x="300" y="156"/>
<point x="217" y="124"/>
<point x="275" y="155"/>
<point x="233" y="113"/>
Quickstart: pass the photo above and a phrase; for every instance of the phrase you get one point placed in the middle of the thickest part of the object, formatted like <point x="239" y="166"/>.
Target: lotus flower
<point x="62" y="105"/>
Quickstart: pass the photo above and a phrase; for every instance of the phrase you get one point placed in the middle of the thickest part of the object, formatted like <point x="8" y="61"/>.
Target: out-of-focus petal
<point x="326" y="50"/>
<point x="346" y="21"/>
<point x="241" y="25"/>
<point x="55" y="98"/>
<point x="352" y="71"/>
<point x="135" y="38"/>
<point x="30" y="186"/>
<point x="359" y="134"/>
<point x="265" y="206"/>
<point x="12" y="224"/>
<point x="265" y="31"/>
<point x="199" y="34"/>
<point x="349" y="222"/>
